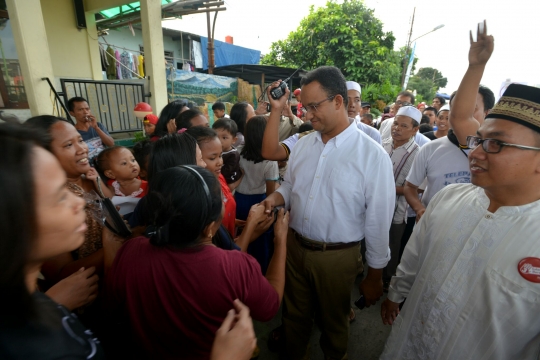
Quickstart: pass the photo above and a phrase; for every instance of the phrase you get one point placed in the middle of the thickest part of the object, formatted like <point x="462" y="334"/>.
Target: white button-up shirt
<point x="466" y="298"/>
<point x="341" y="191"/>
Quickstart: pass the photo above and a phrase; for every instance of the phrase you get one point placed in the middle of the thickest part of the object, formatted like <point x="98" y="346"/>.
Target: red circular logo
<point x="529" y="268"/>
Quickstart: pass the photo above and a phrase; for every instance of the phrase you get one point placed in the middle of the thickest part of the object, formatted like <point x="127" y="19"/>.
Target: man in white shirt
<point x="329" y="217"/>
<point x="354" y="94"/>
<point x="402" y="150"/>
<point x="471" y="270"/>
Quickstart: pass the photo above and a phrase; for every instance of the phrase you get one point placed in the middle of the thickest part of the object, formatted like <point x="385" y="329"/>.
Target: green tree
<point x="347" y="36"/>
<point x="426" y="82"/>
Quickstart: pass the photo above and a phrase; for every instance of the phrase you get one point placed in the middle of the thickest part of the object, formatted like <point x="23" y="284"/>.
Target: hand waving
<point x="482" y="48"/>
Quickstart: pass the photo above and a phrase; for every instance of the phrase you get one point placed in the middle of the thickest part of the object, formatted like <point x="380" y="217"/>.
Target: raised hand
<point x="278" y="104"/>
<point x="482" y="48"/>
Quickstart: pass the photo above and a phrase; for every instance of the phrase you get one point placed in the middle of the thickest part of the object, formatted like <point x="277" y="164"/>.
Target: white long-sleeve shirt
<point x="466" y="298"/>
<point x="341" y="191"/>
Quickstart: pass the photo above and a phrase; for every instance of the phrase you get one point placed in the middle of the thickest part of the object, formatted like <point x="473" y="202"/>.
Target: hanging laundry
<point x="111" y="67"/>
<point x="125" y="59"/>
<point x="118" y="66"/>
<point x="141" y="65"/>
<point x="103" y="58"/>
<point x="135" y="65"/>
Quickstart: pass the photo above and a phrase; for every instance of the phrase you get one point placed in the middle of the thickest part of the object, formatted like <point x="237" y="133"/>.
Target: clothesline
<point x="120" y="63"/>
<point x="141" y="52"/>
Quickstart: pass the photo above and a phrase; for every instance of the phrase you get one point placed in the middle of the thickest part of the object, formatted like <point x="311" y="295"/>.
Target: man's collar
<point x="342" y="136"/>
<point x="408" y="146"/>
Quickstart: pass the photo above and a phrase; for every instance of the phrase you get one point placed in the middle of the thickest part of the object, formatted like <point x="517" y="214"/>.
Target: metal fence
<point x="111" y="102"/>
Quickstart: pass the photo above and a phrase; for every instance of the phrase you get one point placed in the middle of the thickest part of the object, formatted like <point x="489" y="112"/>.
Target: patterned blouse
<point x="92" y="236"/>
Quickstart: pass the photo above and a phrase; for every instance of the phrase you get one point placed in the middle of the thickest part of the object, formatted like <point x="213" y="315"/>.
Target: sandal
<point x="352" y="316"/>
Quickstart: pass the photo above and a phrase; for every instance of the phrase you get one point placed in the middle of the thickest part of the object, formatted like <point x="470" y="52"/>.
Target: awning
<point x="131" y="14"/>
<point x="254" y="73"/>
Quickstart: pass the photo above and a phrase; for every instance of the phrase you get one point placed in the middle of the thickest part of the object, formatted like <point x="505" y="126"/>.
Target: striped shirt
<point x="402" y="159"/>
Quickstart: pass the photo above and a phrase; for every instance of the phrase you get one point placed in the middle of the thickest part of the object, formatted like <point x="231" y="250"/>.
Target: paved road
<point x="366" y="341"/>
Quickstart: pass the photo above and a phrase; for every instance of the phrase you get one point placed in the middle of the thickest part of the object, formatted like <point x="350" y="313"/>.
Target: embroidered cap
<point x="519" y="103"/>
<point x="353" y="85"/>
<point x="411" y="112"/>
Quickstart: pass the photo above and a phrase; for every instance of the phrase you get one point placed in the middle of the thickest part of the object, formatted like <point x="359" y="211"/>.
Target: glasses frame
<point x="403" y="103"/>
<point x="307" y="108"/>
<point x="498" y="142"/>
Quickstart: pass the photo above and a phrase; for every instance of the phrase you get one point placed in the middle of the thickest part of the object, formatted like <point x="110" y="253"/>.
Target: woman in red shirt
<point x="173" y="290"/>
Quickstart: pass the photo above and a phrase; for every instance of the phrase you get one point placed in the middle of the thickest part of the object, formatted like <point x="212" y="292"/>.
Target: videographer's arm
<point x="271" y="148"/>
<point x="462" y="120"/>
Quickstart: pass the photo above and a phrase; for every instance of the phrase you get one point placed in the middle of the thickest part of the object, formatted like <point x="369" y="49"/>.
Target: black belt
<point x="316" y="246"/>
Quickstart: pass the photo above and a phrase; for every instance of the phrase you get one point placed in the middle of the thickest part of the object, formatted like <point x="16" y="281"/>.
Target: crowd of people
<point x="272" y="207"/>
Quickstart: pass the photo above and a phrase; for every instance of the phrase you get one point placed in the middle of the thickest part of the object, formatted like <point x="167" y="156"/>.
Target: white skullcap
<point x="353" y="85"/>
<point x="445" y="107"/>
<point x="411" y="112"/>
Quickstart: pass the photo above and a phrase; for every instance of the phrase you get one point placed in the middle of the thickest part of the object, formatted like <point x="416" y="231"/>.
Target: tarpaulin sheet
<point x="229" y="54"/>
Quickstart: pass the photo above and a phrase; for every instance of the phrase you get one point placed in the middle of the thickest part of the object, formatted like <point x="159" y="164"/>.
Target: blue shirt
<point x="92" y="139"/>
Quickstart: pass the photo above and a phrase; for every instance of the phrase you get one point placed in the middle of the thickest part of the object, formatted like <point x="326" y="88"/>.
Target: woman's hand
<point x="76" y="290"/>
<point x="171" y="126"/>
<point x="235" y="339"/>
<point x="92" y="175"/>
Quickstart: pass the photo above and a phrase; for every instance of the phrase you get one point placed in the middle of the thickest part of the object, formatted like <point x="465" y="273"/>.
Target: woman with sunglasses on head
<point x="174" y="288"/>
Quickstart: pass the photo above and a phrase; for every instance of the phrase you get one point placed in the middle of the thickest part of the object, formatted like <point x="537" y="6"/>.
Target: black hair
<point x="253" y="139"/>
<point x="71" y="102"/>
<point x="141" y="151"/>
<point x="369" y="116"/>
<point x="424" y="128"/>
<point x="408" y="94"/>
<point x="331" y="79"/>
<point x="430" y="108"/>
<point x="239" y="115"/>
<point x="43" y="124"/>
<point x="18" y="220"/>
<point x="172" y="150"/>
<point x="307" y="126"/>
<point x="202" y="134"/>
<point x="182" y="203"/>
<point x="169" y="112"/>
<point x="441" y="99"/>
<point x="218" y="106"/>
<point x="488" y="96"/>
<point x="227" y="125"/>
<point x="183" y="120"/>
<point x="424" y="120"/>
<point x="102" y="162"/>
<point x="386" y="110"/>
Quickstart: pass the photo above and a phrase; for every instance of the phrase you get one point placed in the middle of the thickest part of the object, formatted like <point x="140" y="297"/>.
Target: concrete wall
<point x="69" y="47"/>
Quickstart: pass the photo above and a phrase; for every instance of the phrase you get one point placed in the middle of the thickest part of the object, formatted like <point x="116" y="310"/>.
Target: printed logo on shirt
<point x="458" y="177"/>
<point x="95" y="146"/>
<point x="529" y="269"/>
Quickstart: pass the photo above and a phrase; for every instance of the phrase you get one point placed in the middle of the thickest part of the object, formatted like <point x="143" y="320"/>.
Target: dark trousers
<point x="411" y="221"/>
<point x="396" y="232"/>
<point x="318" y="282"/>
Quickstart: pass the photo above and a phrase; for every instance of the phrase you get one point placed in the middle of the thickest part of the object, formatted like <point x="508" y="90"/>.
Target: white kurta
<point x="459" y="273"/>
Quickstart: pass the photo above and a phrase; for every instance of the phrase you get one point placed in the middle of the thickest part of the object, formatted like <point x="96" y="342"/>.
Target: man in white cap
<point x="402" y="150"/>
<point x="354" y="94"/>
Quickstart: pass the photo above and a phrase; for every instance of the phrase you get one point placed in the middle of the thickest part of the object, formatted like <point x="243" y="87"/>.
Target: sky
<point x="257" y="23"/>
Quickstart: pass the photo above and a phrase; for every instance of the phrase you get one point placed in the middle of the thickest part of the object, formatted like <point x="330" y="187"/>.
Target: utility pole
<point x="211" y="61"/>
<point x="405" y="59"/>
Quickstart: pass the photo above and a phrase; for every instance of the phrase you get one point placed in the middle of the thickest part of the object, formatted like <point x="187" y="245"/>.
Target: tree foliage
<point x="347" y="36"/>
<point x="427" y="82"/>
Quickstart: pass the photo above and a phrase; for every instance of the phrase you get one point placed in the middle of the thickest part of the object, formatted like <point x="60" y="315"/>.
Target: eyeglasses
<point x="403" y="103"/>
<point x="492" y="146"/>
<point x="313" y="108"/>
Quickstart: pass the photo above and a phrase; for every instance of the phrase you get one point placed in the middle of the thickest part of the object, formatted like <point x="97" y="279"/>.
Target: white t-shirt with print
<point x="443" y="163"/>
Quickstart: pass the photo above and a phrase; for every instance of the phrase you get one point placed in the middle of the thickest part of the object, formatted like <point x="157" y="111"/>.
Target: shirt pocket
<point x="340" y="187"/>
<point x="517" y="290"/>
